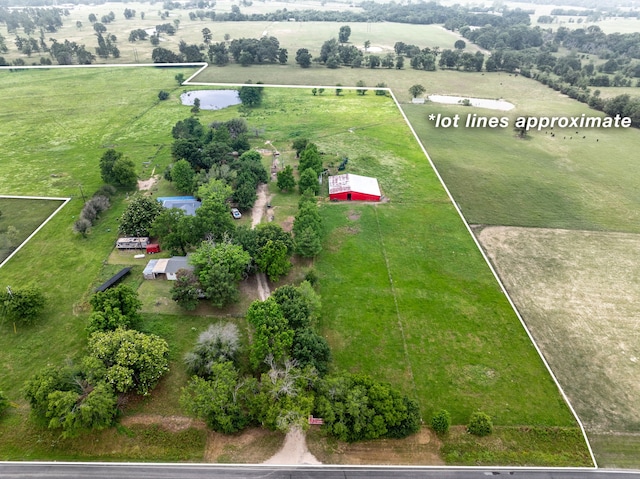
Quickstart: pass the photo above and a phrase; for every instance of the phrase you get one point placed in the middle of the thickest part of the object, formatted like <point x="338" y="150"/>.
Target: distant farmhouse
<point x="166" y="268"/>
<point x="188" y="204"/>
<point x="353" y="187"/>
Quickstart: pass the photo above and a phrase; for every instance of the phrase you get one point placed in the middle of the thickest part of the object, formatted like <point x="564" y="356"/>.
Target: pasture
<point x="441" y="327"/>
<point x="567" y="210"/>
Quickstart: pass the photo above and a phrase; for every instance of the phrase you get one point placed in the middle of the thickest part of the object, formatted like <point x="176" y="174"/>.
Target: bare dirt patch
<point x="252" y="446"/>
<point x="578" y="293"/>
<point x="287" y="224"/>
<point x="353" y="215"/>
<point x="145" y="185"/>
<point x="169" y="423"/>
<point x="422" y="448"/>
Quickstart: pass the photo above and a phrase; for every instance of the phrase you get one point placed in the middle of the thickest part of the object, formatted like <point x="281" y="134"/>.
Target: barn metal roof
<point x="351" y="182"/>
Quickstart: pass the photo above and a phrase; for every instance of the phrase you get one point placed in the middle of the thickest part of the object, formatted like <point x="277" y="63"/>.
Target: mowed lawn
<point x="407" y="296"/>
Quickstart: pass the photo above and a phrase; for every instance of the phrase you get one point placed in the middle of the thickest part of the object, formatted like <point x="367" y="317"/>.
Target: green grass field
<point x="433" y="315"/>
<point x="578" y="179"/>
<point x="20" y="218"/>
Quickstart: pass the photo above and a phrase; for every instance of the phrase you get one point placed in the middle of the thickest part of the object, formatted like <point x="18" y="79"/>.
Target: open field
<point x="577" y="179"/>
<point x="578" y="292"/>
<point x="292" y="35"/>
<point x="439" y="277"/>
<point x="572" y="284"/>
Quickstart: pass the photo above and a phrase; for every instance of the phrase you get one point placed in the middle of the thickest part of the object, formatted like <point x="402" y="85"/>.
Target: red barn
<point x="353" y="187"/>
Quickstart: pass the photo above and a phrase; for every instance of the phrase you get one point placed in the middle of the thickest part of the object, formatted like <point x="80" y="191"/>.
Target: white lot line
<point x="495" y="275"/>
<point x="464" y="221"/>
<point x="64" y="202"/>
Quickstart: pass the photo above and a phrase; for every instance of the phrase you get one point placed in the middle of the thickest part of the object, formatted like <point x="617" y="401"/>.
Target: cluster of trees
<point x="219" y="266"/>
<point x="33" y="19"/>
<point x="117" y="170"/>
<point x="84" y="396"/>
<point x="290" y="362"/>
<point x="248" y="51"/>
<point x="92" y="209"/>
<point x="221" y="152"/>
<point x="307" y="226"/>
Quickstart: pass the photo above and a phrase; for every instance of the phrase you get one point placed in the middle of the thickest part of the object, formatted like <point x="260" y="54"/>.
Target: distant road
<point x="15" y="470"/>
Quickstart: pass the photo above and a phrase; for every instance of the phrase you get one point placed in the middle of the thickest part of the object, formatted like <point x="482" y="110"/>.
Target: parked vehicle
<point x="235" y="212"/>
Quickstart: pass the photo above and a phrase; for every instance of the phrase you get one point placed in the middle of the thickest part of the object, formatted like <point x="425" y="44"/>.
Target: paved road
<point x="193" y="471"/>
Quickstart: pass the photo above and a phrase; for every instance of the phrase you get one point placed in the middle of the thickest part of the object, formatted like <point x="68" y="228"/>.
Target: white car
<point x="235" y="212"/>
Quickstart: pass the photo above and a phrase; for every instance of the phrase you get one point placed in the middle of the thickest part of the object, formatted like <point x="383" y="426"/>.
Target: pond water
<point x="211" y="99"/>
<point x="478" y="102"/>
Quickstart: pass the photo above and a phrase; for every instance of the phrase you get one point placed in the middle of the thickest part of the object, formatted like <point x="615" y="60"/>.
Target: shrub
<point x="106" y="190"/>
<point x="480" y="424"/>
<point x="441" y="421"/>
<point x="163" y="95"/>
<point x="219" y="343"/>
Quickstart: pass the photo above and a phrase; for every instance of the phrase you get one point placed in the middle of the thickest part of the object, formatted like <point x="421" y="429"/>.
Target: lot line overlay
<point x="64" y="202"/>
<point x="190" y="82"/>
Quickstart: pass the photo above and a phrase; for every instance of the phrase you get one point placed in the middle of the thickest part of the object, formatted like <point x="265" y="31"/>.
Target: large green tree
<point x="183" y="176"/>
<point x="137" y="218"/>
<point x="416" y="90"/>
<point x="303" y="58"/>
<point x="272" y="334"/>
<point x="310" y="158"/>
<point x="124" y="173"/>
<point x="213" y="218"/>
<point x="22" y="305"/>
<point x="219" y="401"/>
<point x="107" y="160"/>
<point x="356" y="407"/>
<point x="186" y="289"/>
<point x="219" y="268"/>
<point x="117" y="307"/>
<point x="128" y="360"/>
<point x="177" y="231"/>
<point x="308" y="243"/>
<point x="344" y="34"/>
<point x="251" y="96"/>
<point x="309" y="181"/>
<point x="273" y="259"/>
<point x="286" y="181"/>
<point x="117" y="170"/>
<point x="70" y="399"/>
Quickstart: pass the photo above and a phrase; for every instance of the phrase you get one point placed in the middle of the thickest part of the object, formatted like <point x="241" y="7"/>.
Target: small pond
<point x="211" y="99"/>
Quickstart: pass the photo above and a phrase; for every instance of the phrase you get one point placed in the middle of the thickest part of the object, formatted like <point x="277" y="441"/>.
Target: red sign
<point x="315" y="420"/>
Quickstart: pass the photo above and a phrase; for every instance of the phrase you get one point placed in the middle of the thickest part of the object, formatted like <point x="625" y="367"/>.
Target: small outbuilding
<point x="349" y="187"/>
<point x="166" y="267"/>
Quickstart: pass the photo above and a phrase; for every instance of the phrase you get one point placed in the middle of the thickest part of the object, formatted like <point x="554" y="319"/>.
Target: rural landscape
<point x="480" y="308"/>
